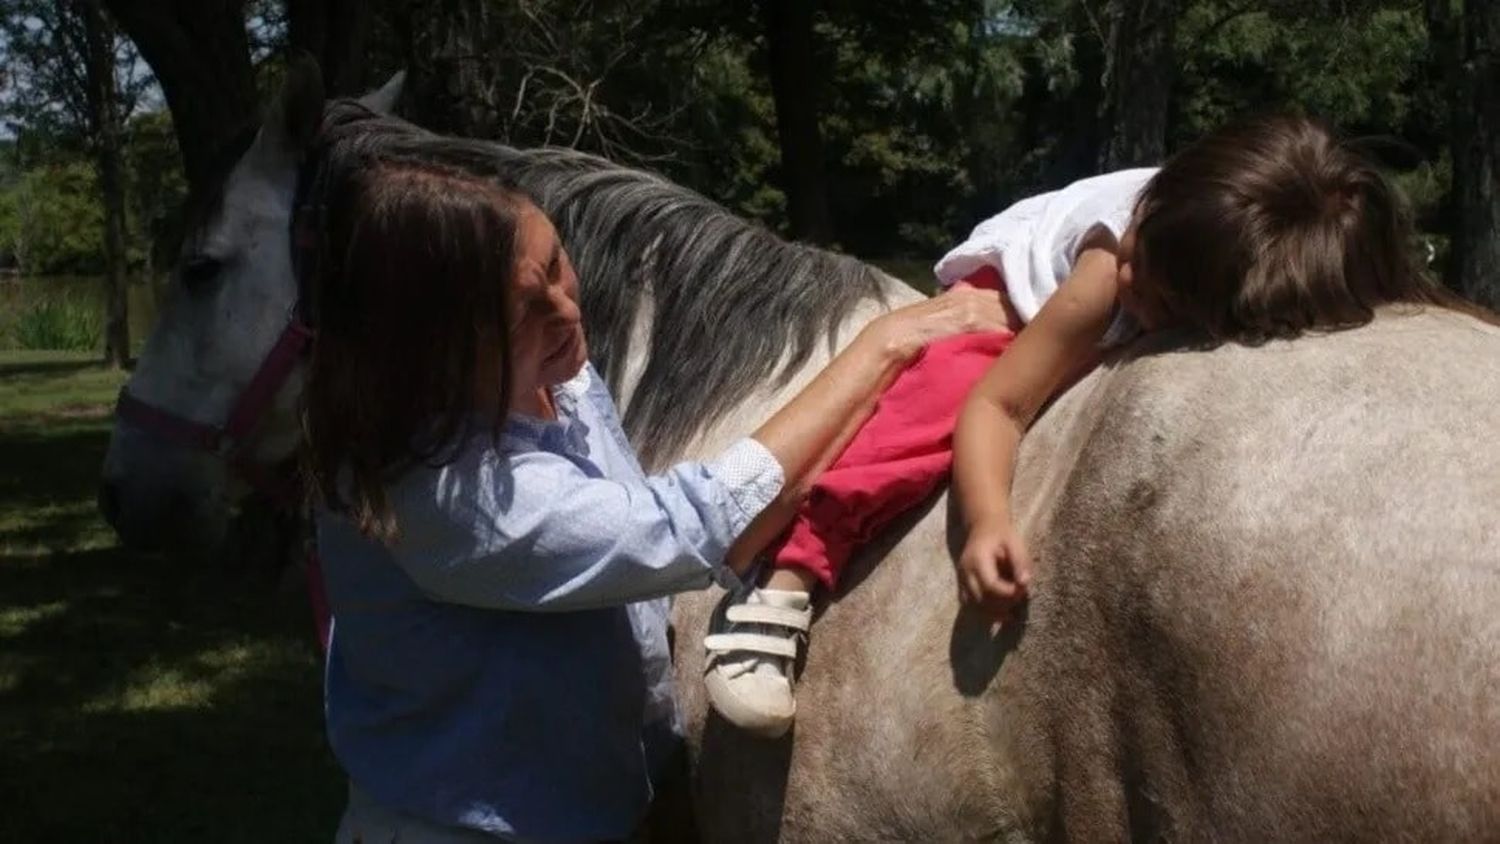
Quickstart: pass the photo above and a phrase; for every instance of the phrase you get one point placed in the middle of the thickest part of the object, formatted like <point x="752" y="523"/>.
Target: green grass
<point x="141" y="698"/>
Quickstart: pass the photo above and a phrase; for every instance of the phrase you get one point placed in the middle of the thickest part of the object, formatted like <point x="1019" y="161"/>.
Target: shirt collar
<point x="565" y="434"/>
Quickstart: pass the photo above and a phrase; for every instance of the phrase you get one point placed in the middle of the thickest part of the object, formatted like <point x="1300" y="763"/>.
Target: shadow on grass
<point x="145" y="700"/>
<point x="48" y="367"/>
<point x="47" y="490"/>
<point x="142" y="698"/>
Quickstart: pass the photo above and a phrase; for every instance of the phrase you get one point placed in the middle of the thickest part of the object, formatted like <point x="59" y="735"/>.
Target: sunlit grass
<point x="46" y="386"/>
<point x="15" y="620"/>
<point x="141" y="699"/>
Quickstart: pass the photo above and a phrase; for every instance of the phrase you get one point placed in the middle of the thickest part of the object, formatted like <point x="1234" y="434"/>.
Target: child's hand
<point x="994" y="571"/>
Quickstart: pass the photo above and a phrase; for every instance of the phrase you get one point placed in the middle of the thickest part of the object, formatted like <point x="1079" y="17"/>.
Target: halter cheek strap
<point x="232" y="440"/>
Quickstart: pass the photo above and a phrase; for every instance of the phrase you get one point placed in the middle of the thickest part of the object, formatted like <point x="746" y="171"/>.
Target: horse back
<point x="1270" y="588"/>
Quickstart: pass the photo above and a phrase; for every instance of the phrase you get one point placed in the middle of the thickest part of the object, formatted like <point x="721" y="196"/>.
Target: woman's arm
<point x="814" y="427"/>
<point x="533" y="531"/>
<point x="1062" y="341"/>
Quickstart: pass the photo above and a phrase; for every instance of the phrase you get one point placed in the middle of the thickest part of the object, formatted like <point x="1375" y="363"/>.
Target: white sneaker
<point x="751" y="652"/>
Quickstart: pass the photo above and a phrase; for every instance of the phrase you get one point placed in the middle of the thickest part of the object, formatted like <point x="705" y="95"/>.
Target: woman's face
<point x="547" y="346"/>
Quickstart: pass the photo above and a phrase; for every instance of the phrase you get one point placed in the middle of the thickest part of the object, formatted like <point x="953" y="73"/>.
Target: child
<point x="1268" y="229"/>
<point x="904" y="452"/>
<point x="1263" y="230"/>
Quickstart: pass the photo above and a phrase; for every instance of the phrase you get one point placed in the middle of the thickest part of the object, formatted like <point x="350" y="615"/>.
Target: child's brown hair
<point x="1273" y="227"/>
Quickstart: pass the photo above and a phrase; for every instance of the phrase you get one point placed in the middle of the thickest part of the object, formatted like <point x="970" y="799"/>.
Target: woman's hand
<point x="905" y="331"/>
<point x="994" y="570"/>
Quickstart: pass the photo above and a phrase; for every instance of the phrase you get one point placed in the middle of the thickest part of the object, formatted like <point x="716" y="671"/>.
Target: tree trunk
<point x="1138" y="72"/>
<point x="104" y="114"/>
<point x="794" y="88"/>
<point x="1467" y="47"/>
<point x="448" y="83"/>
<point x="199" y="53"/>
<point x="336" y="33"/>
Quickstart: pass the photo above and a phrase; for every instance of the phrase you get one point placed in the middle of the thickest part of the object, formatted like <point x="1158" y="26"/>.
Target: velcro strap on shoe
<point x="758" y="643"/>
<point x="768" y="614"/>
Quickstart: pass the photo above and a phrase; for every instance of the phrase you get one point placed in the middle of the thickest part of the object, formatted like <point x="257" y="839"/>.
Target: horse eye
<point x="198" y="270"/>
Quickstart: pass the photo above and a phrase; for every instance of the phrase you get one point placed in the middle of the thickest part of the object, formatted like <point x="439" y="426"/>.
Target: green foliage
<point x="155" y="188"/>
<point x="51" y="220"/>
<point x="914" y="127"/>
<point x="934" y="113"/>
<point x="60" y="323"/>
<point x="732" y="113"/>
<point x="1355" y="64"/>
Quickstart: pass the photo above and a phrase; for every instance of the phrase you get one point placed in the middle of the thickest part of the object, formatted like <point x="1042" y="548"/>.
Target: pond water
<point x="20" y="295"/>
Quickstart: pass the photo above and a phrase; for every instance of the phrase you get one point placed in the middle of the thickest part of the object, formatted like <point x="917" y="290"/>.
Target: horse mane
<point x="733" y="306"/>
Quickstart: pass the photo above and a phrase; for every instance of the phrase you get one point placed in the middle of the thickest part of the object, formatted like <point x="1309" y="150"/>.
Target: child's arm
<point x="1062" y="341"/>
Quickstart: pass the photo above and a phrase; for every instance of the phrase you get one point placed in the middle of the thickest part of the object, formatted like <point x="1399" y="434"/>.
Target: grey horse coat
<point x="1268" y="608"/>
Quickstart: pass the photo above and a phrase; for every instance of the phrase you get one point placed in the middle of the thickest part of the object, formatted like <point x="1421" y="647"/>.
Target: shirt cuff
<point x="753" y="477"/>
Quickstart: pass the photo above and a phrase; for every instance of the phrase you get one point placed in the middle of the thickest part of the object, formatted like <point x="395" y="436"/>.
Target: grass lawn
<point x="141" y="698"/>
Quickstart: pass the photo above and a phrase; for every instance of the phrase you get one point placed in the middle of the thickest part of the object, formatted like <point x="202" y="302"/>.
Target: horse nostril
<point x="109" y="503"/>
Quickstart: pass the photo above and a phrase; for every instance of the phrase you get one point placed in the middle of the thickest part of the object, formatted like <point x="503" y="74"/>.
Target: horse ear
<point x="298" y="111"/>
<point x="383" y="99"/>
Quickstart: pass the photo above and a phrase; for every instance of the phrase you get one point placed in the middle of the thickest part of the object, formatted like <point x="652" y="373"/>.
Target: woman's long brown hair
<point x="1273" y="227"/>
<point x="409" y="289"/>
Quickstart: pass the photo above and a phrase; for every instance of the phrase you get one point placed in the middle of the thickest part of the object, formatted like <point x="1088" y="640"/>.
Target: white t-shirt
<point x="1034" y="242"/>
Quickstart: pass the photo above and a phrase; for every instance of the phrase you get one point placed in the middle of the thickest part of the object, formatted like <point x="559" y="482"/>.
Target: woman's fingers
<point x="908" y="329"/>
<point x="975" y="310"/>
<point x="961" y="312"/>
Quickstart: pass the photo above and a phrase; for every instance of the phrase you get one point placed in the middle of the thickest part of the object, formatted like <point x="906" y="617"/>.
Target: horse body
<point x="1268" y="583"/>
<point x="1265" y="609"/>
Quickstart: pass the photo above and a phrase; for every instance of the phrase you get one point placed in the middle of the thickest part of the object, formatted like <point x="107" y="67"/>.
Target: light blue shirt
<point x="489" y="670"/>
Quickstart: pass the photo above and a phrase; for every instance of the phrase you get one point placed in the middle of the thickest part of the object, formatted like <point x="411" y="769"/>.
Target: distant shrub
<point x="63" y="323"/>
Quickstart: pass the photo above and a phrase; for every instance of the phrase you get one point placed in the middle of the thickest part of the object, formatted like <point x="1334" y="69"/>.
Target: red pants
<point x="902" y="454"/>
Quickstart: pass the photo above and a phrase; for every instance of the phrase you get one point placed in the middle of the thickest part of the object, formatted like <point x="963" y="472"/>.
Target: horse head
<point x="201" y="410"/>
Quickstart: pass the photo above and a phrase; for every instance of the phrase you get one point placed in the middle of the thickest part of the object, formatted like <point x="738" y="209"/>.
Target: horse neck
<point x="711" y="433"/>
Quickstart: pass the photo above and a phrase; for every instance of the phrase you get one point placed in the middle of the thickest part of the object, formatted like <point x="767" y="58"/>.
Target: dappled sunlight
<point x="49" y="528"/>
<point x="48" y="488"/>
<point x="15" y="620"/>
<point x="159" y="699"/>
<point x="196" y="681"/>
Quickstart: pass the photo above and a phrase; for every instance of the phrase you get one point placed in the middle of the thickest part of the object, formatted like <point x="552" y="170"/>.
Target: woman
<point x="494" y="554"/>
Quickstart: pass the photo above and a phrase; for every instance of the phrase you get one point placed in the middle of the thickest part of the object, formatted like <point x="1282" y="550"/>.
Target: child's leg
<point x="901" y="455"/>
<point x="894" y="462"/>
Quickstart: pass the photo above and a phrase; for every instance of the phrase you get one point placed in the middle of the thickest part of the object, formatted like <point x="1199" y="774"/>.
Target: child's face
<point x="547" y="345"/>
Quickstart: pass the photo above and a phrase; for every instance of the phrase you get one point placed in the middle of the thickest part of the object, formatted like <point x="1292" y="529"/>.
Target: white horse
<point x="1268" y="598"/>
